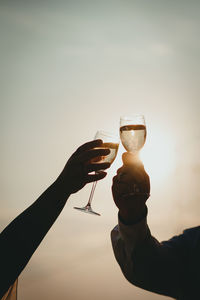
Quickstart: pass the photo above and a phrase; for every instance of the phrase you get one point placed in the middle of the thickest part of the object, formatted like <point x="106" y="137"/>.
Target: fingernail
<point x="108" y="150"/>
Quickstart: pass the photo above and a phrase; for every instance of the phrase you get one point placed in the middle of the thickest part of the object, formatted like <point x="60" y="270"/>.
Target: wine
<point x="111" y="142"/>
<point x="113" y="152"/>
<point x="107" y="158"/>
<point x="133" y="137"/>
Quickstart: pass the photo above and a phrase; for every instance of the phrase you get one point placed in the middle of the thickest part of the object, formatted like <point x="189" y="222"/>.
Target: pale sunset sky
<point x="68" y="69"/>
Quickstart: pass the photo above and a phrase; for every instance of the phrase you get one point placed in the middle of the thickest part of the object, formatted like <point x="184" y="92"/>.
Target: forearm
<point x="125" y="239"/>
<point x="21" y="237"/>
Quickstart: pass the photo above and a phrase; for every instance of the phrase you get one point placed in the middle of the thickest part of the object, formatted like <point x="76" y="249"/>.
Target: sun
<point x="158" y="155"/>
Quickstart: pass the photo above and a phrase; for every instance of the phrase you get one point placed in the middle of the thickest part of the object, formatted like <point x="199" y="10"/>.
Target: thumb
<point x="129" y="158"/>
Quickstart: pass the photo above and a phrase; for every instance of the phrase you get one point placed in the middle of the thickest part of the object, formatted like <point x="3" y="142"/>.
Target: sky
<point x="68" y="69"/>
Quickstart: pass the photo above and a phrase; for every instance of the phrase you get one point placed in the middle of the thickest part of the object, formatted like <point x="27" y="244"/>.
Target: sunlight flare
<point x="158" y="155"/>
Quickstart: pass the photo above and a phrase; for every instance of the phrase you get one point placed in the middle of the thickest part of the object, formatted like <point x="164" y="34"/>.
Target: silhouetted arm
<point x="149" y="264"/>
<point x="146" y="263"/>
<point x="21" y="237"/>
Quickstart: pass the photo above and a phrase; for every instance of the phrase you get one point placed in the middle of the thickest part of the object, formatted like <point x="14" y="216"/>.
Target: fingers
<point x="133" y="196"/>
<point x="120" y="189"/>
<point x="120" y="170"/>
<point x="131" y="163"/>
<point x="96" y="167"/>
<point x="98" y="176"/>
<point x="128" y="174"/>
<point x="115" y="179"/>
<point x="129" y="158"/>
<point x="89" y="145"/>
<point x="88" y="155"/>
<point x="131" y="181"/>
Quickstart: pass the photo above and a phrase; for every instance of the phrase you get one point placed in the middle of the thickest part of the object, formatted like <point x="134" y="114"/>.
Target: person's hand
<point x="131" y="188"/>
<point x="76" y="173"/>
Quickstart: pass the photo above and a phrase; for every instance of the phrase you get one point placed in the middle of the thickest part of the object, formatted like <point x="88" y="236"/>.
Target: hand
<point x="76" y="173"/>
<point x="131" y="188"/>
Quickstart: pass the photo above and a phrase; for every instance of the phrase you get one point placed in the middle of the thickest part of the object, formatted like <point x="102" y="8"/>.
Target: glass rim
<point x="129" y="118"/>
<point x="107" y="133"/>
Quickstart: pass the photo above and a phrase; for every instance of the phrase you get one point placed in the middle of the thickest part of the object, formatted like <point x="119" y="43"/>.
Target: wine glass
<point x="133" y="133"/>
<point x="133" y="137"/>
<point x="110" y="141"/>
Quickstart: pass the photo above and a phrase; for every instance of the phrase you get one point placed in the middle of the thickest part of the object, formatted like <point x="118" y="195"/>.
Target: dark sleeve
<point x="162" y="267"/>
<point x="149" y="264"/>
<point x="22" y="236"/>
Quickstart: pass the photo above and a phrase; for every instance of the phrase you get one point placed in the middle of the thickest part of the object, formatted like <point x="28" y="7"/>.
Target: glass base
<point x="87" y="209"/>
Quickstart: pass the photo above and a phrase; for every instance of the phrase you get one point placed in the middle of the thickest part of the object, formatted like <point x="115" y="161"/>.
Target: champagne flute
<point x="110" y="141"/>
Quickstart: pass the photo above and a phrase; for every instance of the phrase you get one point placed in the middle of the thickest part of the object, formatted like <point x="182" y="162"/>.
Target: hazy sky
<point x="69" y="68"/>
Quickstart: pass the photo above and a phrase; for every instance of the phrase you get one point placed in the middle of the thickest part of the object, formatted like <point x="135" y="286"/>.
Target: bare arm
<point x="22" y="236"/>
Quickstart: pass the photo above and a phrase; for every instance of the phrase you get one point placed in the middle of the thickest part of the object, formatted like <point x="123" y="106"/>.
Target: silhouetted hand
<point x="131" y="188"/>
<point x="83" y="161"/>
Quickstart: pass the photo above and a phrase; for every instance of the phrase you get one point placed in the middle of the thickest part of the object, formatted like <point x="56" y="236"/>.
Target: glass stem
<point x="91" y="194"/>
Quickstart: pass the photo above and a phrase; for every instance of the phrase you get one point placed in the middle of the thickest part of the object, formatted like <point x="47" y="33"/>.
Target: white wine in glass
<point x="110" y="141"/>
<point x="133" y="133"/>
<point x="133" y="136"/>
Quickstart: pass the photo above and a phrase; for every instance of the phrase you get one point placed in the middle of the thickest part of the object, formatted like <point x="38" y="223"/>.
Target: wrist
<point x="130" y="218"/>
<point x="60" y="189"/>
